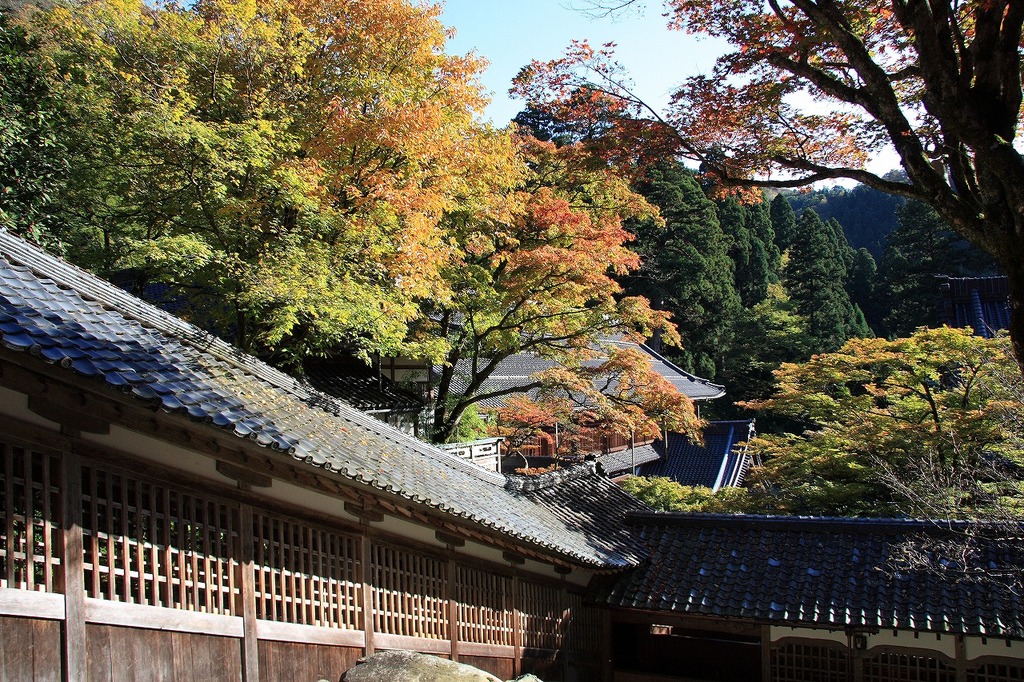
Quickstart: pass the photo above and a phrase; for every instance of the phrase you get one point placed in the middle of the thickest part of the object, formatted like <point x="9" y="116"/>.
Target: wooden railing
<point x="157" y="554"/>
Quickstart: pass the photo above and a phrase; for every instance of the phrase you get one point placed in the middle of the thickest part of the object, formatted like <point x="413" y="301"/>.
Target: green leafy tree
<point x="815" y="280"/>
<point x="862" y="286"/>
<point x="33" y="162"/>
<point x="767" y="335"/>
<point x="867" y="215"/>
<point x="291" y="161"/>
<point x="937" y="82"/>
<point x="764" y="264"/>
<point x="538" y="278"/>
<point x="887" y="418"/>
<point x="685" y="267"/>
<point x="921" y="248"/>
<point x="664" y="494"/>
<point x="783" y="222"/>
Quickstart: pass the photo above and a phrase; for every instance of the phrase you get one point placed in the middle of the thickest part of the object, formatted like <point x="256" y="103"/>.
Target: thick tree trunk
<point x="1015" y="277"/>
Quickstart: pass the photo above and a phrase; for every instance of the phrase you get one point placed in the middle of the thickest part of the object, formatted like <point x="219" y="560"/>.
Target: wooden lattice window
<point x="305" y="574"/>
<point x="997" y="672"/>
<point x="149" y="543"/>
<point x="543" y="616"/>
<point x="409" y="593"/>
<point x="887" y="666"/>
<point x="585" y="627"/>
<point x="485" y="611"/>
<point x="806" y="662"/>
<point x="30" y="504"/>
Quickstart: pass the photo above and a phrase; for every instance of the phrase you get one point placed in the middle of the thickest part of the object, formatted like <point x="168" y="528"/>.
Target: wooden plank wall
<point x="30" y="649"/>
<point x="173" y="583"/>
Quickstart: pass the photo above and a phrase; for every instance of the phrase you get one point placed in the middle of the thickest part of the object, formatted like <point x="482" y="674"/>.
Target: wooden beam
<point x="513" y="558"/>
<point x="486" y="650"/>
<point x="308" y="634"/>
<point x="407" y="643"/>
<point x="31" y="604"/>
<point x="244" y="475"/>
<point x="73" y="571"/>
<point x="365" y="514"/>
<point x="67" y="416"/>
<point x="105" y="612"/>
<point x="448" y="539"/>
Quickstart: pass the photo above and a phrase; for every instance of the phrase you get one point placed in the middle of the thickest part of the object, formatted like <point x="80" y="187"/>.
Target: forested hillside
<point x="867" y="215"/>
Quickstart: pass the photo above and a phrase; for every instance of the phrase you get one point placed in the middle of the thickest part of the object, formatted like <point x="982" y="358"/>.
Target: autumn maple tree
<point x="534" y="275"/>
<point x="284" y="165"/>
<point x="813" y="88"/>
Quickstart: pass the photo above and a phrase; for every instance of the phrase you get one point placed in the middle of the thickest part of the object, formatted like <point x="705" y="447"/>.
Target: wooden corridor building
<point x="172" y="509"/>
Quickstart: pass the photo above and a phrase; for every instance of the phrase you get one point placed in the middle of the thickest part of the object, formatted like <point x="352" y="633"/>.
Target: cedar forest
<point x="320" y="171"/>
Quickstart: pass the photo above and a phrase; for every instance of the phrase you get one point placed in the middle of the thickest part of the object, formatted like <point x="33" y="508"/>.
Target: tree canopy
<point x="292" y="161"/>
<point x="916" y="425"/>
<point x="540" y="279"/>
<point x="938" y="82"/>
<point x="685" y="268"/>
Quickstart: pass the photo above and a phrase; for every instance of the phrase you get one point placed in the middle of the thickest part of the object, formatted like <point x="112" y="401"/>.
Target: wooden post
<point x="517" y="628"/>
<point x="250" y="642"/>
<point x="766" y="653"/>
<point x="453" y="606"/>
<point x="368" y="647"/>
<point x="73" y="559"/>
<point x="856" y="649"/>
<point x="961" y="658"/>
<point x="608" y="667"/>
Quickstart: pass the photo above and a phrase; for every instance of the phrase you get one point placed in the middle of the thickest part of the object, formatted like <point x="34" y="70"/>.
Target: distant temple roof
<point x="718" y="463"/>
<point x="982" y="303"/>
<point x="360" y="385"/>
<point x="824" y="572"/>
<point x="519" y="370"/>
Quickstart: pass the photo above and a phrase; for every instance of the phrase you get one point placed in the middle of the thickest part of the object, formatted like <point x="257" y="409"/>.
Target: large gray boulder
<point x="408" y="666"/>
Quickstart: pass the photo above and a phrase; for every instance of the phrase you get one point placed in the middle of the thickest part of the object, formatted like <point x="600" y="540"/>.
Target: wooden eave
<point x="76" y="401"/>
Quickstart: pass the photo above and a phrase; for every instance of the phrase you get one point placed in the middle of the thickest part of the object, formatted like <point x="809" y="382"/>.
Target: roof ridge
<point x="520" y="483"/>
<point x="865" y="524"/>
<point x="690" y="375"/>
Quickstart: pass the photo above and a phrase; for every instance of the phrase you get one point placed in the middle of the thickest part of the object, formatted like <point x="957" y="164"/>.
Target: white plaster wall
<point x="976" y="647"/>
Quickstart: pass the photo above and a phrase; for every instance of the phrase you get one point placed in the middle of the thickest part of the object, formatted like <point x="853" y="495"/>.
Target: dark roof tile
<point x="719" y="462"/>
<point x="822" y="572"/>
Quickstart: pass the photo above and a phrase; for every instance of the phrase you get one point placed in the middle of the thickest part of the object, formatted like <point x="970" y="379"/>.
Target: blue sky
<point x="509" y="33"/>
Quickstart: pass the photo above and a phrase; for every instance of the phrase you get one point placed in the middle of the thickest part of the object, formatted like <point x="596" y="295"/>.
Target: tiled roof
<point x="519" y="370"/>
<point x="623" y="460"/>
<point x="982" y="303"/>
<point x="690" y="385"/>
<point x="360" y="385"/>
<point x="715" y="464"/>
<point x="84" y="325"/>
<point x="818" y="571"/>
<point x="573" y="497"/>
